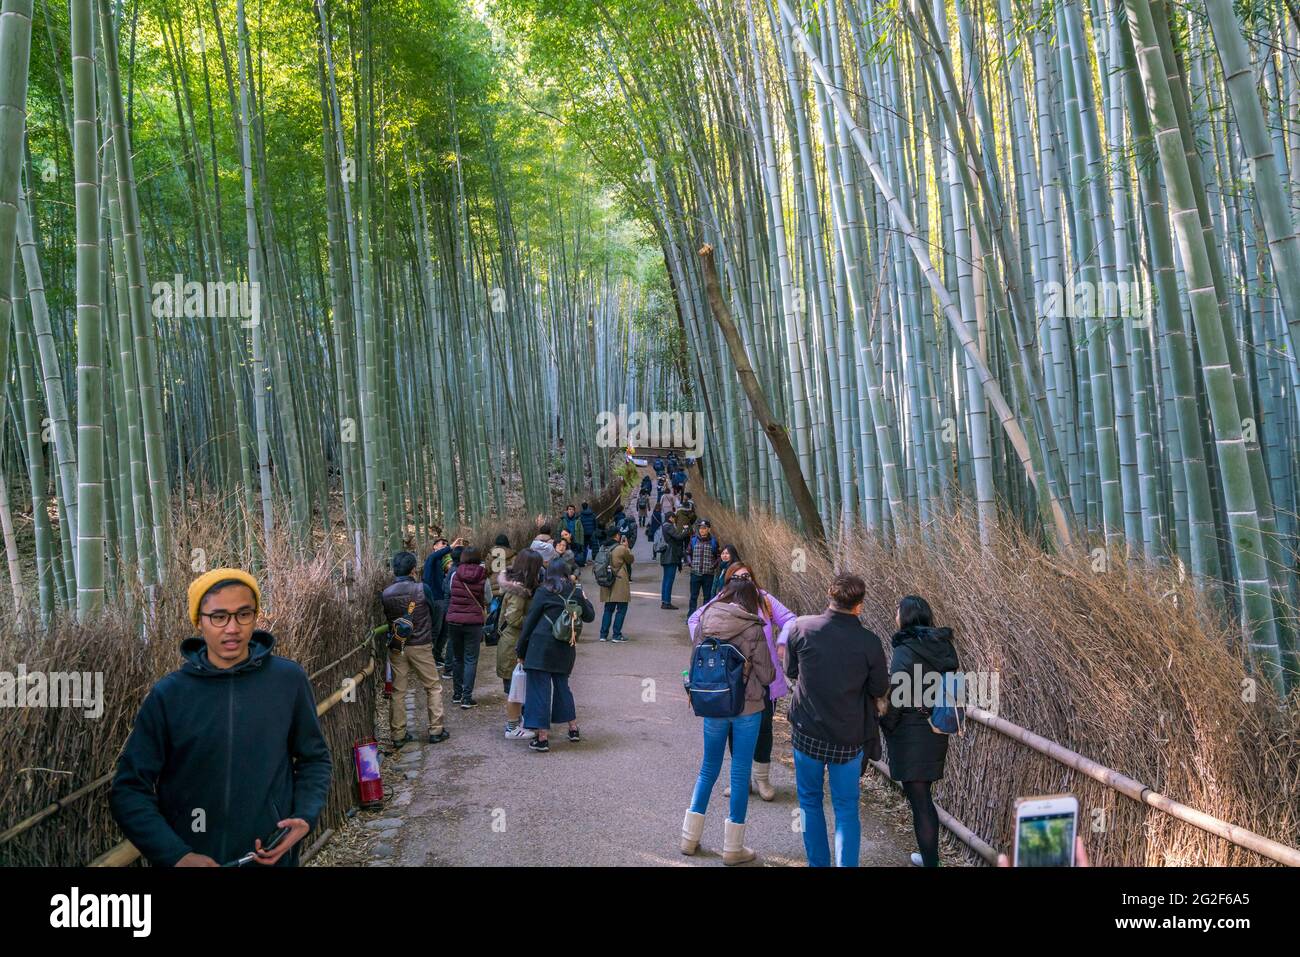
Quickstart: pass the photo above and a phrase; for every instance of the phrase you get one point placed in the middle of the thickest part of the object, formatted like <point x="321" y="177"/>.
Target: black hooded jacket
<point x="916" y="753"/>
<point x="217" y="757"/>
<point x="930" y="648"/>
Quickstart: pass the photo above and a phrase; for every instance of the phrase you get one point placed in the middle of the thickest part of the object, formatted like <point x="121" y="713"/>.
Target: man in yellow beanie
<point x="226" y="751"/>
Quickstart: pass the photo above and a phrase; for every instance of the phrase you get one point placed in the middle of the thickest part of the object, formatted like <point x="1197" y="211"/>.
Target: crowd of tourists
<point x="830" y="666"/>
<point x="529" y="607"/>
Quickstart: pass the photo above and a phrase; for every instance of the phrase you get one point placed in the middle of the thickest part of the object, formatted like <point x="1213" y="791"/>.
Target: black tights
<point x="925" y="820"/>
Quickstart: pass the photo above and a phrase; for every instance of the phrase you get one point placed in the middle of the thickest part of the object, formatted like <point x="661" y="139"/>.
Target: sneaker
<point x="446" y="672"/>
<point x="538" y="744"/>
<point x="575" y="735"/>
<point x="455" y="697"/>
<point x="520" y="733"/>
<point x="618" y="638"/>
<point x="404" y="739"/>
<point x="606" y="638"/>
<point x="467" y="702"/>
<point x="440" y="737"/>
<point x="668" y="607"/>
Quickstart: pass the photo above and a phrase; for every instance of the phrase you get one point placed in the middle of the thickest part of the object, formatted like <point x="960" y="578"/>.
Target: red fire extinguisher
<point x="370" y="784"/>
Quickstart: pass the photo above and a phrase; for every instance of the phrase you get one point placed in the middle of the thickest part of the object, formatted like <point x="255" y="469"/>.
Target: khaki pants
<point x="420" y="660"/>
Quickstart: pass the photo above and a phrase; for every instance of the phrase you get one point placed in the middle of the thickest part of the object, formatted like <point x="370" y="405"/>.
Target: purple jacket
<point x="782" y="617"/>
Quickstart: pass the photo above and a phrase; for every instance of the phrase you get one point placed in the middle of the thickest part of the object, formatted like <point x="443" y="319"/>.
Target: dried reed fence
<point x="321" y="611"/>
<point x="1129" y="667"/>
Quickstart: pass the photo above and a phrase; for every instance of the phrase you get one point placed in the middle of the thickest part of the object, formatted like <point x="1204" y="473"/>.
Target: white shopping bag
<point x="518" y="685"/>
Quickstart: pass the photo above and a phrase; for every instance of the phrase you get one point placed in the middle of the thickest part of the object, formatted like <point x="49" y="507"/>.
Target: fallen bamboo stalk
<point x="383" y="629"/>
<point x="119" y="856"/>
<point x="30" y="822"/>
<point x="960" y="830"/>
<point x="337" y="696"/>
<point x="316" y="846"/>
<point x="1132" y="788"/>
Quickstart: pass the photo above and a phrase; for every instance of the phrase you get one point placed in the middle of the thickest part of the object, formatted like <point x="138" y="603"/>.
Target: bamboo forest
<point x="995" y="302"/>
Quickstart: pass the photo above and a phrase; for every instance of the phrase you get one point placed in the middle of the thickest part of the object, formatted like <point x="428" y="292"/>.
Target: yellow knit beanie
<point x="203" y="584"/>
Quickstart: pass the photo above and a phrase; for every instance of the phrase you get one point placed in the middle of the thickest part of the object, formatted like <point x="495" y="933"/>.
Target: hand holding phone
<point x="272" y="842"/>
<point x="1046" y="831"/>
<point x="267" y="852"/>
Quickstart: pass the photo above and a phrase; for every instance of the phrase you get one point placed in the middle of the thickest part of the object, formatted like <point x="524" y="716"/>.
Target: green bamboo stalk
<point x="1247" y="546"/>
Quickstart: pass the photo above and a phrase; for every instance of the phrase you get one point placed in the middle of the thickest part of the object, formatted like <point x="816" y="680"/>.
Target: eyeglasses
<point x="220" y="619"/>
<point x="742" y="575"/>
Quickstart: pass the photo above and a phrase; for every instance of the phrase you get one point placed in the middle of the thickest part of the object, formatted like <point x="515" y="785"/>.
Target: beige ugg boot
<point x="761" y="781"/>
<point x="734" y="850"/>
<point x="692" y="828"/>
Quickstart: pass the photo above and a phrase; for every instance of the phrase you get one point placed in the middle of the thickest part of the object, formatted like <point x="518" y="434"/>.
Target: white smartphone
<point x="1045" y="830"/>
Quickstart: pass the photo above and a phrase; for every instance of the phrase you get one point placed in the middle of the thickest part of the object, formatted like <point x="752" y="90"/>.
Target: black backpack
<point x="492" y="623"/>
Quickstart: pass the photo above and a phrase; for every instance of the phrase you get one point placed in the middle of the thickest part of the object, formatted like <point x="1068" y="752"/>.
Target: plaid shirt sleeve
<point x="820" y="750"/>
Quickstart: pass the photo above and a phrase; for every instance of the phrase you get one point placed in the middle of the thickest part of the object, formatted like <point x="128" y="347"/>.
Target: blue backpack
<point x="947" y="717"/>
<point x="716" y="680"/>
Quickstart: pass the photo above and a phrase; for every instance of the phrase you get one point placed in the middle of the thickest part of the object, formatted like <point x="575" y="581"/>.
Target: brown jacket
<point x="621" y="561"/>
<point x="736" y="626"/>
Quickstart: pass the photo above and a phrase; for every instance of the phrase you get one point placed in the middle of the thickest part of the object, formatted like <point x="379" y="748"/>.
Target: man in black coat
<point x="226" y="750"/>
<point x="837" y="668"/>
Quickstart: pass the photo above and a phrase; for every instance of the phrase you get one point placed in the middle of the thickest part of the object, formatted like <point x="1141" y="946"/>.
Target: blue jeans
<point x="701" y="589"/>
<point x="542" y="708"/>
<point x="666" y="591"/>
<point x="463" y="646"/>
<point x="744" y="733"/>
<point x="616" y="610"/>
<point x="808" y="774"/>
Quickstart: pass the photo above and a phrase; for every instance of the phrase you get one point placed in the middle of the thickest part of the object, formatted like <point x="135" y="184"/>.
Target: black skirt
<point x="916" y="753"/>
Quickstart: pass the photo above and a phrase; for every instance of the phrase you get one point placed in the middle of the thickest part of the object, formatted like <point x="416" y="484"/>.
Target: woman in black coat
<point x="548" y="662"/>
<point x="916" y="752"/>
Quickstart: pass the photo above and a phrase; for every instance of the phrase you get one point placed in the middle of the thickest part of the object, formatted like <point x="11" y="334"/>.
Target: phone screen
<point x="1045" y="840"/>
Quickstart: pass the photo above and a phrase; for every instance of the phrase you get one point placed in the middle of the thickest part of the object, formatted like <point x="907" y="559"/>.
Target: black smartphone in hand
<point x="269" y="844"/>
<point x="274" y="840"/>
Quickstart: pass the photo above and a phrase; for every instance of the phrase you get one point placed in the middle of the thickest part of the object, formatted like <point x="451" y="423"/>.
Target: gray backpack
<point x="603" y="570"/>
<point x="567" y="625"/>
